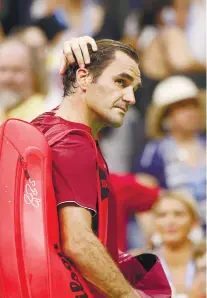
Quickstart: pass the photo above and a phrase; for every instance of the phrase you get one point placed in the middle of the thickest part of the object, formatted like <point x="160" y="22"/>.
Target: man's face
<point x="113" y="92"/>
<point x="16" y="82"/>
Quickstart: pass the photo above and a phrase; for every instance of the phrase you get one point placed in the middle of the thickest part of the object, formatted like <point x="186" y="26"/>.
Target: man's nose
<point x="128" y="96"/>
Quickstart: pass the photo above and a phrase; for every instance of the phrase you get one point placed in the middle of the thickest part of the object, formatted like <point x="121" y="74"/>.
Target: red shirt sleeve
<point x="74" y="172"/>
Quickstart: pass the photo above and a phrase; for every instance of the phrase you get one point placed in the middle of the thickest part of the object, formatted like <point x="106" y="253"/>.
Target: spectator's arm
<point x="147" y="180"/>
<point x="177" y="52"/>
<point x="131" y="197"/>
<point x="181" y="8"/>
<point x="135" y="196"/>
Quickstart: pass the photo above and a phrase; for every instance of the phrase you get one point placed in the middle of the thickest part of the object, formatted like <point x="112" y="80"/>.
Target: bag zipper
<point x="24" y="165"/>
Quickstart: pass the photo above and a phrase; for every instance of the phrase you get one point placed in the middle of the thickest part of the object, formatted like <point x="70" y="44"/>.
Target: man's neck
<point x="178" y="255"/>
<point x="74" y="109"/>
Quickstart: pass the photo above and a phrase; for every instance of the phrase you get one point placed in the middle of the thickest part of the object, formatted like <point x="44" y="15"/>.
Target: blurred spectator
<point x="176" y="216"/>
<point x="191" y="16"/>
<point x="171" y="49"/>
<point x="130" y="23"/>
<point x="175" y="158"/>
<point x="36" y="40"/>
<point x="176" y="235"/>
<point x="171" y="41"/>
<point x="80" y="17"/>
<point x="21" y="88"/>
<point x="34" y="37"/>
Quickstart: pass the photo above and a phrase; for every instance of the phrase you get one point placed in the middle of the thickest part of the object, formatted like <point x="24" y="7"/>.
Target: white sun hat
<point x="167" y="92"/>
<point x="174" y="89"/>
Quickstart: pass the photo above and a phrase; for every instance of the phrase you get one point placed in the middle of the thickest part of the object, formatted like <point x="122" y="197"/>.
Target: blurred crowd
<point x="158" y="156"/>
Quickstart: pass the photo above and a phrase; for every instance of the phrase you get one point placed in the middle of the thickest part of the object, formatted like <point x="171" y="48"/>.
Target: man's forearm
<point x="95" y="264"/>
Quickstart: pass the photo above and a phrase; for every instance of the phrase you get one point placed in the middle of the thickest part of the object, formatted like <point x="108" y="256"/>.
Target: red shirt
<point x="75" y="173"/>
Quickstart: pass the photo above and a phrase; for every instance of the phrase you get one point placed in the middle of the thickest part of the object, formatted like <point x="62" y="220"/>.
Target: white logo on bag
<point x="31" y="193"/>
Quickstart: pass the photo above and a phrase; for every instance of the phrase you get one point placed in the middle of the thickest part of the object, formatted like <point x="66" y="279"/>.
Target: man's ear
<point x="83" y="78"/>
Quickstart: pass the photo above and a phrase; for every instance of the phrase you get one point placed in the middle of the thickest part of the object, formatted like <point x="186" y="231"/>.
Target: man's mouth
<point x="122" y="108"/>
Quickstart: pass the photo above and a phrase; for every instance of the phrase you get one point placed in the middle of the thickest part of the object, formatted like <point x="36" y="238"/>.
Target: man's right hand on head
<point x="76" y="48"/>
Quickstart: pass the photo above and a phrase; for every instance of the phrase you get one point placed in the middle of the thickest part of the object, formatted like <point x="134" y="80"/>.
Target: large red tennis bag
<point x="31" y="262"/>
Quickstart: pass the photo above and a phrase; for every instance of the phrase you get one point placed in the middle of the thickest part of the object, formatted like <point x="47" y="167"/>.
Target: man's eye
<point x="120" y="83"/>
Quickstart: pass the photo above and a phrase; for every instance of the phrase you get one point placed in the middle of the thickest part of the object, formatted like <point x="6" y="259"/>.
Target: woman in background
<point x="176" y="217"/>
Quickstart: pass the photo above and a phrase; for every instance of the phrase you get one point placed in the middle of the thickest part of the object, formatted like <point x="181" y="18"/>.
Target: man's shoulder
<point x="74" y="150"/>
<point x="73" y="134"/>
<point x="78" y="138"/>
<point x="75" y="144"/>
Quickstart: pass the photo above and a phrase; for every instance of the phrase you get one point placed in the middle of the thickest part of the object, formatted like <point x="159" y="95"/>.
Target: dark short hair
<point x="100" y="59"/>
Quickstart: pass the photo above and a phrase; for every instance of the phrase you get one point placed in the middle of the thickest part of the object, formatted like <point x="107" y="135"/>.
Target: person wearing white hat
<point x="175" y="158"/>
